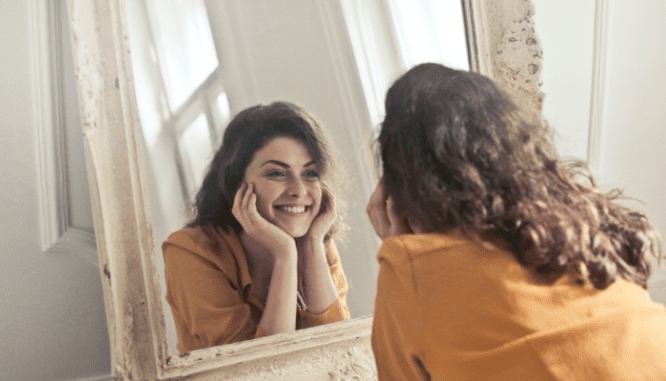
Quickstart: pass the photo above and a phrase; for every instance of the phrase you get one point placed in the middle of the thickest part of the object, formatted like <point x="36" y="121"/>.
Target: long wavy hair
<point x="457" y="153"/>
<point x="249" y="131"/>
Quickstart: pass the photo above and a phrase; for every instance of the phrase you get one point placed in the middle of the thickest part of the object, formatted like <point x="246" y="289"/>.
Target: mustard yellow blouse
<point x="210" y="290"/>
<point x="451" y="309"/>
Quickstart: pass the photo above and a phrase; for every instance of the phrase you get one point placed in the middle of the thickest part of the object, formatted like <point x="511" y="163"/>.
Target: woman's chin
<point x="297" y="233"/>
<point x="295" y="227"/>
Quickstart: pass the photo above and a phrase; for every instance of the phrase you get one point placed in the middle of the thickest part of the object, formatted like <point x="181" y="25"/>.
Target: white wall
<point x="632" y="91"/>
<point x="633" y="154"/>
<point x="52" y="320"/>
<point x="568" y="42"/>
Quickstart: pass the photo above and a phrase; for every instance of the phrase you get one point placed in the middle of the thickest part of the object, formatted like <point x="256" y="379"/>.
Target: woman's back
<point x="468" y="310"/>
<point x="560" y="296"/>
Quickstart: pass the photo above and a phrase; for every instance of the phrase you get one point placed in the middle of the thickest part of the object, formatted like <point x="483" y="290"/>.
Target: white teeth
<point x="292" y="209"/>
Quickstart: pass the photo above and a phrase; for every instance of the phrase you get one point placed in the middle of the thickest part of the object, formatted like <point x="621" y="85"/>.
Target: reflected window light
<point x="222" y="103"/>
<point x="151" y="108"/>
<point x="431" y="31"/>
<point x="196" y="150"/>
<point x="223" y="106"/>
<point x="186" y="51"/>
<point x="152" y="54"/>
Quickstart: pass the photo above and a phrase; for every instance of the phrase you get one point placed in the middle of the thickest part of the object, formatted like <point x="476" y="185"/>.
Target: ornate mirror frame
<point x="501" y="44"/>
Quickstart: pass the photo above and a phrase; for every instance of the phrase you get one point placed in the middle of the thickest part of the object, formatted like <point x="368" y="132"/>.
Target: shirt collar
<point x="235" y="245"/>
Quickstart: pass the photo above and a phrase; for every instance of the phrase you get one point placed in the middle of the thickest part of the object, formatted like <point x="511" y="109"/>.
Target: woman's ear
<point x="414" y="225"/>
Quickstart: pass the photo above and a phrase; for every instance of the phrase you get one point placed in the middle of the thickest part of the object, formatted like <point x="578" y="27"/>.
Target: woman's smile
<point x="292" y="209"/>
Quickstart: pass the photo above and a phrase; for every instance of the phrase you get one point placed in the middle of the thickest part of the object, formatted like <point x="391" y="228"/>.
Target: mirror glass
<point x="197" y="63"/>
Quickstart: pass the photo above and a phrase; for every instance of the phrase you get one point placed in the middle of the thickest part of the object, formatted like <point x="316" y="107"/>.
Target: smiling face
<point x="287" y="185"/>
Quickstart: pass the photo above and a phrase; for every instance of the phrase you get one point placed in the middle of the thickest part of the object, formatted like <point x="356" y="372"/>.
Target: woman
<point x="259" y="258"/>
<point x="498" y="262"/>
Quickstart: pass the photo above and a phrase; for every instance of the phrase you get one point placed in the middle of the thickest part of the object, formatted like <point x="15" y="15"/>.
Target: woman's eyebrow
<point x="284" y="165"/>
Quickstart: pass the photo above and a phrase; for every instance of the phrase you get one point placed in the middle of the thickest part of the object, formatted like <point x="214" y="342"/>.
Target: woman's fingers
<point x="273" y="239"/>
<point x="392" y="216"/>
<point x="390" y="211"/>
<point x="248" y="209"/>
<point x="398" y="225"/>
<point x="327" y="200"/>
<point x="324" y="219"/>
<point x="253" y="213"/>
<point x="249" y="192"/>
<point x="383" y="215"/>
<point x="238" y="201"/>
<point x="245" y="206"/>
<point x="377" y="199"/>
<point x="376" y="211"/>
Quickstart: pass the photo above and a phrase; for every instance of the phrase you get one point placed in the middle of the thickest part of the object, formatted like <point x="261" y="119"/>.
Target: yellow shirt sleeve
<point x="207" y="309"/>
<point x="396" y="324"/>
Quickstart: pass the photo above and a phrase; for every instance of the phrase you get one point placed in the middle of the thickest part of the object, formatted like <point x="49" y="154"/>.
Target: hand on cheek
<point x="324" y="219"/>
<point x="270" y="237"/>
<point x="383" y="216"/>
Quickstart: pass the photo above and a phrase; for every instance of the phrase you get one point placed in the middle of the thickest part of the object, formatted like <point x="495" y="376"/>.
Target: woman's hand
<point x="270" y="237"/>
<point x="324" y="219"/>
<point x="319" y="289"/>
<point x="280" y="306"/>
<point x="382" y="214"/>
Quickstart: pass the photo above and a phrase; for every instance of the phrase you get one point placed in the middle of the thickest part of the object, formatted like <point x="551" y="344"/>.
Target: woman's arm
<point x="280" y="310"/>
<point x="396" y="327"/>
<point x="318" y="287"/>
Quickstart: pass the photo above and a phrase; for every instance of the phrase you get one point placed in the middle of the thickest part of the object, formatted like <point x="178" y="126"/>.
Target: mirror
<point x="196" y="63"/>
<point x="501" y="43"/>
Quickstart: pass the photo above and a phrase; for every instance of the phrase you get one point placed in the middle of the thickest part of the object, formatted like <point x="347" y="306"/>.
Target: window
<point x="391" y="36"/>
<point x="180" y="94"/>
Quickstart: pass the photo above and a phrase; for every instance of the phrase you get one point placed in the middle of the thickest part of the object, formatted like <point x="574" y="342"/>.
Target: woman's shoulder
<point x="411" y="246"/>
<point x="203" y="240"/>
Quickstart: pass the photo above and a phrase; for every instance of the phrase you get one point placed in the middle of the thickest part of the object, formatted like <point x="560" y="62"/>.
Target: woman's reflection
<point x="258" y="258"/>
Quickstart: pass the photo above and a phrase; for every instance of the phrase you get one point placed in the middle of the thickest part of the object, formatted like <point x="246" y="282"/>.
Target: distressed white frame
<point x="499" y="46"/>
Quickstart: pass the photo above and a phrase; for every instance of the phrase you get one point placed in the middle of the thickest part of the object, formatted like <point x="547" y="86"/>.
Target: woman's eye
<point x="312" y="174"/>
<point x="276" y="173"/>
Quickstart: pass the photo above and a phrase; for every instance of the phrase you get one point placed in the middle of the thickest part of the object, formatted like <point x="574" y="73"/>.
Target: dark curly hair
<point x="457" y="153"/>
<point x="249" y="131"/>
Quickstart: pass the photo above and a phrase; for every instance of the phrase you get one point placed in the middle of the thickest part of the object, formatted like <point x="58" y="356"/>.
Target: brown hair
<point x="249" y="131"/>
<point x="456" y="152"/>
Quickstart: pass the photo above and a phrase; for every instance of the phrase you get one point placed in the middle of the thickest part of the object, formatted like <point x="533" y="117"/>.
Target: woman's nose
<point x="297" y="188"/>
